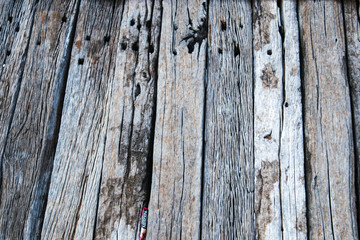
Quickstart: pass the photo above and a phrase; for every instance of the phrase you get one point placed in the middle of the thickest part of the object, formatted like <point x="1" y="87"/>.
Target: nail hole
<point x="174" y="52"/>
<point x="10" y="18"/>
<point x="268" y="137"/>
<point x="236" y="50"/>
<point x="269" y="52"/>
<point x="335" y="39"/>
<point x="17" y="28"/>
<point x="220" y="51"/>
<point x="132" y="22"/>
<point x="8" y="52"/>
<point x="38" y="42"/>
<point x="87" y="38"/>
<point x="123" y="46"/>
<point x="135" y="46"/>
<point x="223" y="25"/>
<point x="138" y="90"/>
<point x="241" y="26"/>
<point x="190" y="47"/>
<point x="81" y="61"/>
<point x="64" y="19"/>
<point x="151" y="48"/>
<point x="286" y="104"/>
<point x="106" y="39"/>
<point x="144" y="74"/>
<point x="148" y="24"/>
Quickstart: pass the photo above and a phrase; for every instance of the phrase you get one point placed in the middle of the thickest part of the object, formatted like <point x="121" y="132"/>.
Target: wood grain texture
<point x="32" y="85"/>
<point x="292" y="172"/>
<point x="175" y="202"/>
<point x="268" y="100"/>
<point x="328" y="127"/>
<point x="99" y="180"/>
<point x="228" y="195"/>
<point x="352" y="30"/>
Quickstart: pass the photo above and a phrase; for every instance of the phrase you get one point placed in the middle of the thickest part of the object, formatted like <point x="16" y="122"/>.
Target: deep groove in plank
<point x="204" y="119"/>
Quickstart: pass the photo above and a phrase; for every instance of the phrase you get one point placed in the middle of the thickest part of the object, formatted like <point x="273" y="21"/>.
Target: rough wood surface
<point x="268" y="100"/>
<point x="222" y="116"/>
<point x="104" y="142"/>
<point x="352" y="30"/>
<point x="292" y="173"/>
<point x="32" y="84"/>
<point x="328" y="127"/>
<point x="175" y="201"/>
<point x="228" y="195"/>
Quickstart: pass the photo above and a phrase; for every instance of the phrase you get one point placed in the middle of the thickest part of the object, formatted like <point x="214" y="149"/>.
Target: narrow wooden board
<point x="175" y="202"/>
<point x="32" y="83"/>
<point x="292" y="172"/>
<point x="268" y="100"/>
<point x="327" y="121"/>
<point x="228" y="195"/>
<point x="101" y="176"/>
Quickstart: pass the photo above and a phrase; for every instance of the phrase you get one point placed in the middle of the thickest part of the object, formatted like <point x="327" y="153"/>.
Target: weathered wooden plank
<point x="328" y="126"/>
<point x="292" y="174"/>
<point x="268" y="100"/>
<point x="32" y="83"/>
<point x="228" y="195"/>
<point x="352" y="30"/>
<point x="175" y="202"/>
<point x="100" y="172"/>
<point x="126" y="178"/>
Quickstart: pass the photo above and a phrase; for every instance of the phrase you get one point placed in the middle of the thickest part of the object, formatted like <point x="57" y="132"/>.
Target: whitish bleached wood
<point x="32" y="83"/>
<point x="99" y="180"/>
<point x="292" y="179"/>
<point x="352" y="24"/>
<point x="175" y="202"/>
<point x="328" y="128"/>
<point x="268" y="100"/>
<point x="228" y="195"/>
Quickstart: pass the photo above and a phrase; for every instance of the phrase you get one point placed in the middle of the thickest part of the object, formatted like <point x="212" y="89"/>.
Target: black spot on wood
<point x="123" y="45"/>
<point x="220" y="51"/>
<point x="137" y="90"/>
<point x="151" y="48"/>
<point x="175" y="52"/>
<point x="17" y="28"/>
<point x="148" y="24"/>
<point x="241" y="26"/>
<point x="223" y="26"/>
<point x="236" y="50"/>
<point x="269" y="52"/>
<point x="38" y="42"/>
<point x="64" y="19"/>
<point x="80" y="61"/>
<point x="132" y="22"/>
<point x="87" y="38"/>
<point x="10" y="18"/>
<point x="8" y="52"/>
<point x="106" y="39"/>
<point x="286" y="104"/>
<point x="138" y="26"/>
<point x="135" y="46"/>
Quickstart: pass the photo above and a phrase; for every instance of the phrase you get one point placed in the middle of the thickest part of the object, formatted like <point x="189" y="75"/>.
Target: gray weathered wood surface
<point x="228" y="119"/>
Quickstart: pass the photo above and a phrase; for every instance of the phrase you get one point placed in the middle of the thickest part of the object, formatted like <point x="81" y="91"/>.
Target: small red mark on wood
<point x="78" y="44"/>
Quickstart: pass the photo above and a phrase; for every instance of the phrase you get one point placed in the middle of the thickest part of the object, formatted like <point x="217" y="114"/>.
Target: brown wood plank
<point x="99" y="182"/>
<point x="32" y="82"/>
<point x="228" y="195"/>
<point x="175" y="202"/>
<point x="328" y="126"/>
